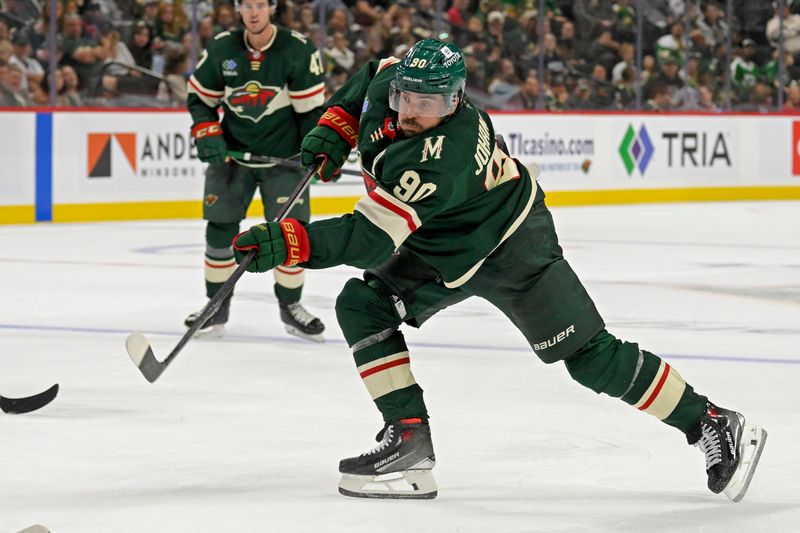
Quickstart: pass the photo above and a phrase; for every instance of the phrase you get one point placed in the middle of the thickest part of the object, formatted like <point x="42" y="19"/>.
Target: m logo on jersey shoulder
<point x="432" y="149"/>
<point x="254" y="101"/>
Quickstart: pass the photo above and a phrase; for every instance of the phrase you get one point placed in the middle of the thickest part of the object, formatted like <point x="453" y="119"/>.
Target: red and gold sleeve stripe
<point x="663" y="394"/>
<point x="209" y="97"/>
<point x="387" y="374"/>
<point x="307" y="99"/>
<point x="396" y="218"/>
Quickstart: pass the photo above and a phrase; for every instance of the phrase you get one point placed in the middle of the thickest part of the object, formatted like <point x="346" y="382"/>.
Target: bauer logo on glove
<point x="277" y="243"/>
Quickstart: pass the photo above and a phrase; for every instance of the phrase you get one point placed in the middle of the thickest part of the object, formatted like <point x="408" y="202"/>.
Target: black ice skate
<point x="215" y="325"/>
<point x="301" y="323"/>
<point x="398" y="467"/>
<point x="732" y="450"/>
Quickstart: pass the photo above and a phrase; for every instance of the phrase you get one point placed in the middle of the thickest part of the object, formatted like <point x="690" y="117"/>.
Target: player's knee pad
<point x="365" y="312"/>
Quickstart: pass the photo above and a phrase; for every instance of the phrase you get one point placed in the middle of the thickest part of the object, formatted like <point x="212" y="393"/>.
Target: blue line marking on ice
<point x="267" y="338"/>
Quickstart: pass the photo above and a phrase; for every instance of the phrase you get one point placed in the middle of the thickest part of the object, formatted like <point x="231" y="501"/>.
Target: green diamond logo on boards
<point x="636" y="150"/>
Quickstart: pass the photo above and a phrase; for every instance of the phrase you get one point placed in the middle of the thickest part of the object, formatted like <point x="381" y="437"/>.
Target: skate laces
<point x="388" y="435"/>
<point x="300" y="314"/>
<point x="709" y="443"/>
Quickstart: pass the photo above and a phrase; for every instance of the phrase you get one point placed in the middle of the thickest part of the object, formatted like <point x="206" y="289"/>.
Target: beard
<point x="410" y="127"/>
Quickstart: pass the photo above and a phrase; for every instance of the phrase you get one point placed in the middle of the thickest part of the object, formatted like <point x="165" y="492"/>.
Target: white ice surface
<point x="245" y="433"/>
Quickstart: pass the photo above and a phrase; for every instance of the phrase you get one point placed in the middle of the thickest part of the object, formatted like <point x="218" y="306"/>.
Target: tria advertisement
<point x="594" y="151"/>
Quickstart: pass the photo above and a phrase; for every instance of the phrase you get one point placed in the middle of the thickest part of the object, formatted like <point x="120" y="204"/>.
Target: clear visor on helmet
<point x="421" y="104"/>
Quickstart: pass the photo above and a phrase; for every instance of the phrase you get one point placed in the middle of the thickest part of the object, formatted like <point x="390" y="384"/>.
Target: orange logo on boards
<point x="98" y="157"/>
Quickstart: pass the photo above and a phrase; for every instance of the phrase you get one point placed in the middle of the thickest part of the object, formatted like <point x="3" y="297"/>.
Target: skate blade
<point x="214" y="332"/>
<point x="753" y="440"/>
<point x="409" y="485"/>
<point x="291" y="330"/>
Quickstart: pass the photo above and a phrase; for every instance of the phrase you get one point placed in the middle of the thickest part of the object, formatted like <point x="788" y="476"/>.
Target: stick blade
<point x="16" y="406"/>
<point x="141" y="354"/>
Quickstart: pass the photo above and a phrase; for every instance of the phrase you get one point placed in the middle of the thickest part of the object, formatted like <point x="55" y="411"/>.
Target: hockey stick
<point x="137" y="344"/>
<point x="16" y="406"/>
<point x="255" y="158"/>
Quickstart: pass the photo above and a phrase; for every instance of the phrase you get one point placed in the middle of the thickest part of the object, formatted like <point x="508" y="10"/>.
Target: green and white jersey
<point x="448" y="195"/>
<point x="744" y="73"/>
<point x="271" y="97"/>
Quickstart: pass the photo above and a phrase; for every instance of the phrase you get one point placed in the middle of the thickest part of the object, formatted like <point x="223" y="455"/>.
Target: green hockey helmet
<point x="430" y="67"/>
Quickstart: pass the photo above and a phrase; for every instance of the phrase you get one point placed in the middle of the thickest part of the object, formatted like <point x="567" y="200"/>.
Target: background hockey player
<point x="466" y="220"/>
<point x="268" y="80"/>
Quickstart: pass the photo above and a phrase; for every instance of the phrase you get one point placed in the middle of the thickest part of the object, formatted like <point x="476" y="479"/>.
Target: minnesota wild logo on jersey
<point x="253" y="101"/>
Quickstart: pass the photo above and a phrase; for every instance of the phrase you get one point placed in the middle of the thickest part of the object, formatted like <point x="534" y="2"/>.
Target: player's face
<point x="418" y="113"/>
<point x="255" y="15"/>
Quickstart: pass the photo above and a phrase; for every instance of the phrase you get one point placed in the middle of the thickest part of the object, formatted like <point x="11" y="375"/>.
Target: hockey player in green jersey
<point x="268" y="80"/>
<point x="451" y="215"/>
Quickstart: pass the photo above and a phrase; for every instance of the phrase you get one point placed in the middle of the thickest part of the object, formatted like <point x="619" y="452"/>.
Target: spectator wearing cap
<point x="744" y="71"/>
<point x="791" y="28"/>
<point x="494" y="31"/>
<point x="32" y="70"/>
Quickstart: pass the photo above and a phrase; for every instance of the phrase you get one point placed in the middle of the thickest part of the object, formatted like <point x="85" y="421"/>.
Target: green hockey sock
<point x="639" y="378"/>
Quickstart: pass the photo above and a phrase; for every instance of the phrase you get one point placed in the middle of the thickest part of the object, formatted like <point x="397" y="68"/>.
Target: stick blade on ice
<point x="16" y="406"/>
<point x="141" y="354"/>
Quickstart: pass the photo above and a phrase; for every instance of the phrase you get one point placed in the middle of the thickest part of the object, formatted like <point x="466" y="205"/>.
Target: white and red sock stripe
<point x="387" y="374"/>
<point x="289" y="277"/>
<point x="219" y="270"/>
<point x="663" y="394"/>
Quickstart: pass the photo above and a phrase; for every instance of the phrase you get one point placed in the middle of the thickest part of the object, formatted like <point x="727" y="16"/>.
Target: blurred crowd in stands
<point x="140" y="52"/>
